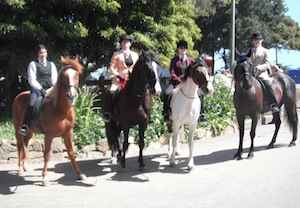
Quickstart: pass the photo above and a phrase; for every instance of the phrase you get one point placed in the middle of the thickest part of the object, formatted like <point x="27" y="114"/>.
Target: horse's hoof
<point x="45" y="182"/>
<point x="250" y="155"/>
<point x="21" y="173"/>
<point x="270" y="146"/>
<point x="190" y="168"/>
<point x="292" y="144"/>
<point x="82" y="177"/>
<point x="114" y="161"/>
<point x="237" y="156"/>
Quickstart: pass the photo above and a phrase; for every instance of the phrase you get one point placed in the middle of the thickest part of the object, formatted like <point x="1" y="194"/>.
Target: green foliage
<point x="7" y="130"/>
<point x="156" y="127"/>
<point x="89" y="126"/>
<point x="218" y="109"/>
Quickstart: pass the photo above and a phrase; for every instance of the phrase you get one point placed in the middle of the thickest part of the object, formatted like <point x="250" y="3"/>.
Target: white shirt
<point x="31" y="73"/>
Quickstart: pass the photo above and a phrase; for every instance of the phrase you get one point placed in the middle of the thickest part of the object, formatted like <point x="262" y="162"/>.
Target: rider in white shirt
<point x="42" y="75"/>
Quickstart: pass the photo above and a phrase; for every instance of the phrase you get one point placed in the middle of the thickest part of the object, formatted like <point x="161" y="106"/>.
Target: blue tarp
<point x="294" y="74"/>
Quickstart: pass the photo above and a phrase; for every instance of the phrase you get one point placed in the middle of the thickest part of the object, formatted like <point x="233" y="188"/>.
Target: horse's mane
<point x="68" y="63"/>
<point x="196" y="64"/>
<point x="73" y="63"/>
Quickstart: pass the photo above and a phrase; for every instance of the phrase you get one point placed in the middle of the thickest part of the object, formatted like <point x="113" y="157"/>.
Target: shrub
<point x="89" y="126"/>
<point x="218" y="109"/>
<point x="7" y="130"/>
<point x="156" y="127"/>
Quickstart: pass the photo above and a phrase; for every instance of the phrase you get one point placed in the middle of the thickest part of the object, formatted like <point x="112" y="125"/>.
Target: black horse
<point x="130" y="108"/>
<point x="250" y="99"/>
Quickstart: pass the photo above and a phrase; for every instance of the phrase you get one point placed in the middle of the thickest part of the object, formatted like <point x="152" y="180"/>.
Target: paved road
<point x="270" y="179"/>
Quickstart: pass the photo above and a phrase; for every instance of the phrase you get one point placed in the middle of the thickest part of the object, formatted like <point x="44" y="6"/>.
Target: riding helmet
<point x="182" y="44"/>
<point x="126" y="37"/>
<point x="256" y="36"/>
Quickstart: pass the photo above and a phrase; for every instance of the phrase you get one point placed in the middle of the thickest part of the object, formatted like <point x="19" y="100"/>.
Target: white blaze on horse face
<point x="73" y="83"/>
<point x="157" y="84"/>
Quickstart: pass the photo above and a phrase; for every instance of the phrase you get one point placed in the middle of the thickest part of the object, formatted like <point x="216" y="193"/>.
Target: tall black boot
<point x="27" y="121"/>
<point x="166" y="106"/>
<point x="107" y="106"/>
<point x="271" y="96"/>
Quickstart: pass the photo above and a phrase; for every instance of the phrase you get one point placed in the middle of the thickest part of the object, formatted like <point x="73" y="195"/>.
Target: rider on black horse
<point x="262" y="66"/>
<point x="121" y="65"/>
<point x="42" y="75"/>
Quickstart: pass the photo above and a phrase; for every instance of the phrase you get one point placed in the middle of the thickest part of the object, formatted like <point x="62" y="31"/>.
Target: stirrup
<point x="23" y="131"/>
<point x="106" y="116"/>
<point x="275" y="108"/>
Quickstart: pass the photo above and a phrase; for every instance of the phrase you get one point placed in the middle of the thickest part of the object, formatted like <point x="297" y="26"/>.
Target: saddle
<point x="36" y="111"/>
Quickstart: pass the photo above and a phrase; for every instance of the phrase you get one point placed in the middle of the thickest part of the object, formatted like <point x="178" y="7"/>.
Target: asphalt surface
<point x="270" y="179"/>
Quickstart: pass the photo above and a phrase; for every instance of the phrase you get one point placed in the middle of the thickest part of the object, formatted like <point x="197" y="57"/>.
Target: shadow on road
<point x="10" y="180"/>
<point x="226" y="155"/>
<point x="101" y="167"/>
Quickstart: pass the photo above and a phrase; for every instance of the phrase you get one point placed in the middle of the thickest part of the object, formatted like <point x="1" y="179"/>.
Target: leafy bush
<point x="7" y="130"/>
<point x="156" y="127"/>
<point x="218" y="109"/>
<point x="89" y="126"/>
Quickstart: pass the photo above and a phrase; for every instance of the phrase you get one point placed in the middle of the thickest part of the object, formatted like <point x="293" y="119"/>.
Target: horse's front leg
<point x="125" y="147"/>
<point x="47" y="154"/>
<point x="252" y="135"/>
<point x="191" y="146"/>
<point x="241" y="123"/>
<point x="175" y="129"/>
<point x="68" y="139"/>
<point x="141" y="145"/>
<point x="277" y="121"/>
<point x="22" y="144"/>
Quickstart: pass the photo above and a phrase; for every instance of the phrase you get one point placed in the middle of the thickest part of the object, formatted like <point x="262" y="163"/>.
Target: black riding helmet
<point x="256" y="36"/>
<point x="182" y="44"/>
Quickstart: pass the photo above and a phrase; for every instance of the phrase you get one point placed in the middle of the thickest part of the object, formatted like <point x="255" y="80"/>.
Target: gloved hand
<point x="43" y="92"/>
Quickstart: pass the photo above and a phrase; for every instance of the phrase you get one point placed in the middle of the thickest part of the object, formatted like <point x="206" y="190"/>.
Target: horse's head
<point x="144" y="74"/>
<point x="69" y="78"/>
<point x="243" y="74"/>
<point x="198" y="71"/>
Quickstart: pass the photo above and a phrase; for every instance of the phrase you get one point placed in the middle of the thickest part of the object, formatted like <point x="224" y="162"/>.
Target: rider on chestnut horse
<point x="42" y="75"/>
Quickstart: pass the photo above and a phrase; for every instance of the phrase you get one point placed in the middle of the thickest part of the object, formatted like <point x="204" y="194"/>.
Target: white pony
<point x="185" y="105"/>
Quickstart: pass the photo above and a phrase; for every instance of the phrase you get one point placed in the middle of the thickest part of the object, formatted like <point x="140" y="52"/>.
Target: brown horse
<point x="56" y="118"/>
<point x="250" y="99"/>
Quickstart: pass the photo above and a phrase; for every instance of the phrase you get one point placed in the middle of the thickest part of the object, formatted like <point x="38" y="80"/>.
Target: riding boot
<point x="107" y="107"/>
<point x="167" y="107"/>
<point x="27" y="121"/>
<point x="271" y="96"/>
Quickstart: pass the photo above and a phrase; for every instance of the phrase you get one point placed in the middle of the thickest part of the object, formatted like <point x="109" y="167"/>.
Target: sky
<point x="289" y="58"/>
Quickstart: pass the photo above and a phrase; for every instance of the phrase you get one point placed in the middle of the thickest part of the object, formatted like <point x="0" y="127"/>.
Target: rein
<point x="189" y="97"/>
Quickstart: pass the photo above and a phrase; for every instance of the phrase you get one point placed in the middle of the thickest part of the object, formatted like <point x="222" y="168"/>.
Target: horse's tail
<point x="289" y="101"/>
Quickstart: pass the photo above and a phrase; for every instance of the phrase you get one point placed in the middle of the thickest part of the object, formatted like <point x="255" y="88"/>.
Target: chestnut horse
<point x="56" y="118"/>
<point x="250" y="100"/>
